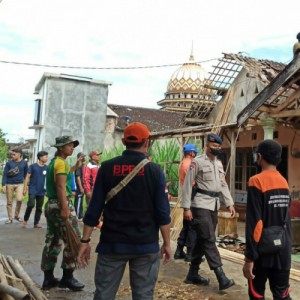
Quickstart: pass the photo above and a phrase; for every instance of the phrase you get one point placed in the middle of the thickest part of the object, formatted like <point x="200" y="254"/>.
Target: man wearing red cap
<point x="131" y="221"/>
<point x="90" y="174"/>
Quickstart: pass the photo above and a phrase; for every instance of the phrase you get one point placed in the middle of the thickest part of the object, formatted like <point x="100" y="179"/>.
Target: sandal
<point x="9" y="221"/>
<point x="38" y="226"/>
<point x="18" y="219"/>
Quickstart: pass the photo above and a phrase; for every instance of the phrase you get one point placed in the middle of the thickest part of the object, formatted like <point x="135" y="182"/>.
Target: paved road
<point x="26" y="245"/>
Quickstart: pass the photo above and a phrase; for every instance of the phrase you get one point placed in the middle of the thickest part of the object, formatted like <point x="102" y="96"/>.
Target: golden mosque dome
<point x="188" y="78"/>
<point x="185" y="87"/>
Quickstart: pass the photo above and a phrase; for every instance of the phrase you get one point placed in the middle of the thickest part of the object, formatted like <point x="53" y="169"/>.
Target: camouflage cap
<point x="65" y="140"/>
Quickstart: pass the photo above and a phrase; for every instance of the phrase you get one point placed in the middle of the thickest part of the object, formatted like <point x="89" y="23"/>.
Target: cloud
<point x="130" y="33"/>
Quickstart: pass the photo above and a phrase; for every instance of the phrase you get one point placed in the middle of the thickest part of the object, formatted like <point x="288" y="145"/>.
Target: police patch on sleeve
<point x="192" y="165"/>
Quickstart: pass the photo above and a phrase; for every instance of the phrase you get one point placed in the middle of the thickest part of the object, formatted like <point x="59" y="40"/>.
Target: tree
<point x="3" y="146"/>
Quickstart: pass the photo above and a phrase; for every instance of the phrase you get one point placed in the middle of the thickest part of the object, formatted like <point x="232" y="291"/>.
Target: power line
<point x="98" y="68"/>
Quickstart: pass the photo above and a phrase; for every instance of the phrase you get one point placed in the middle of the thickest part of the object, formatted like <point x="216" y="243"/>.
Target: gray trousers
<point x="143" y="272"/>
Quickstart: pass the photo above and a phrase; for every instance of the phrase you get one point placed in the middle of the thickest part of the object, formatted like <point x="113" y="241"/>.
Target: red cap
<point x="136" y="133"/>
<point x="92" y="153"/>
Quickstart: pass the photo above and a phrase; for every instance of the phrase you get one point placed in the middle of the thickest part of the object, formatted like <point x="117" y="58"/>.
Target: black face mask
<point x="215" y="152"/>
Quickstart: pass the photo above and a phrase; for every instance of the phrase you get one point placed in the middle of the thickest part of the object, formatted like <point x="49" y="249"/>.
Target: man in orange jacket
<point x="187" y="236"/>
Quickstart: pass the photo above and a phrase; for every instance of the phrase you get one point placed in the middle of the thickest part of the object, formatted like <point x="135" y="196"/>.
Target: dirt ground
<point x="26" y="245"/>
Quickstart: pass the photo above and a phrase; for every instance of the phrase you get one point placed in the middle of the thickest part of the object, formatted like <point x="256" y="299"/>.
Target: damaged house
<point x="254" y="100"/>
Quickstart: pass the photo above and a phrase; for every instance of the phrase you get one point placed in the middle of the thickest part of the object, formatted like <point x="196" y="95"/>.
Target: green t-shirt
<point x="58" y="166"/>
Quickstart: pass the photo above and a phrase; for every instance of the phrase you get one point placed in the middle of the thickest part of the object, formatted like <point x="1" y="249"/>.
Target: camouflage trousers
<point x="55" y="235"/>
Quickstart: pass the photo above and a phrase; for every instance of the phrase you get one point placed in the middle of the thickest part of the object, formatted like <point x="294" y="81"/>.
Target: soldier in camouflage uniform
<point x="57" y="210"/>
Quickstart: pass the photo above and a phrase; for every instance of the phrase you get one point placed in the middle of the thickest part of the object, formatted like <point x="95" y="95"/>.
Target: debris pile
<point x="15" y="283"/>
<point x="232" y="242"/>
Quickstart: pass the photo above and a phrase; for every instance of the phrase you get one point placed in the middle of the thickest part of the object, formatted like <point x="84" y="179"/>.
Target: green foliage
<point x="109" y="154"/>
<point x="3" y="147"/>
<point x="167" y="154"/>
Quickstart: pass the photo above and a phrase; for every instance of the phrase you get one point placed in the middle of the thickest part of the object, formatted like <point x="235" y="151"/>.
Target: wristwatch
<point x="85" y="241"/>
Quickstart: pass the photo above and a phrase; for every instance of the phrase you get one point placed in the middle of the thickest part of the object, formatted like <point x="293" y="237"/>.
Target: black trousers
<point x="204" y="223"/>
<point x="78" y="205"/>
<point x="187" y="236"/>
<point x="278" y="280"/>
<point x="30" y="205"/>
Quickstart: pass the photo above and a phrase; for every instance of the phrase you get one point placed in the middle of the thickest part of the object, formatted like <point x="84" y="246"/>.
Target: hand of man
<point x="232" y="211"/>
<point x="89" y="195"/>
<point x="165" y="253"/>
<point x="25" y="190"/>
<point x="84" y="255"/>
<point x="65" y="213"/>
<point x="187" y="215"/>
<point x="4" y="189"/>
<point x="248" y="270"/>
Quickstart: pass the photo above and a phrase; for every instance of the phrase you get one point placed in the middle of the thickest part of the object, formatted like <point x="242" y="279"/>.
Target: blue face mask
<point x="215" y="152"/>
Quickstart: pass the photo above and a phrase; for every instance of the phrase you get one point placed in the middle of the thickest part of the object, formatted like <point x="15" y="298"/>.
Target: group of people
<point x="40" y="179"/>
<point x="18" y="179"/>
<point x="130" y="192"/>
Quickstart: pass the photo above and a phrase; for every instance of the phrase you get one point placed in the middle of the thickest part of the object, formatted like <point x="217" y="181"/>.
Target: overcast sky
<point x="119" y="33"/>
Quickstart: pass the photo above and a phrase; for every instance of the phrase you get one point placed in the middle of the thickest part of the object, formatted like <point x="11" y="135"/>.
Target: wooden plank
<point x="287" y="114"/>
<point x="269" y="90"/>
<point x="30" y="285"/>
<point x="288" y="101"/>
<point x="13" y="292"/>
<point x="3" y="280"/>
<point x="239" y="259"/>
<point x="196" y="121"/>
<point x="232" y="163"/>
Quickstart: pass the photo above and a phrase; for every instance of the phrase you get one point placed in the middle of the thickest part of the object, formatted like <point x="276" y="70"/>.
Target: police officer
<point x="187" y="236"/>
<point x="209" y="176"/>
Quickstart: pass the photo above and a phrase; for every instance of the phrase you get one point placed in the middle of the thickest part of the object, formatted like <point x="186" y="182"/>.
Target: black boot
<point x="194" y="278"/>
<point x="68" y="281"/>
<point x="49" y="280"/>
<point x="179" y="253"/>
<point x="188" y="256"/>
<point x="224" y="282"/>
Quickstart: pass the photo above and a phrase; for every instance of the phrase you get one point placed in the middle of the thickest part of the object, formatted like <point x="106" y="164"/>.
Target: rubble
<point x="15" y="283"/>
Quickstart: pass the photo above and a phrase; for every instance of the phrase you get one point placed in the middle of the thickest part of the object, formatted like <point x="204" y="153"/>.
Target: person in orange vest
<point x="187" y="236"/>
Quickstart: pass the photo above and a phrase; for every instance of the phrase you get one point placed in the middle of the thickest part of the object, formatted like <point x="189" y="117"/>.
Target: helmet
<point x="189" y="148"/>
<point x="298" y="36"/>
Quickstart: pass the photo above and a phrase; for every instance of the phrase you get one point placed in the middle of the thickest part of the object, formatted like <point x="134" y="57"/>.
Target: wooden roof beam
<point x="195" y="121"/>
<point x="288" y="101"/>
<point x="269" y="90"/>
<point x="287" y="114"/>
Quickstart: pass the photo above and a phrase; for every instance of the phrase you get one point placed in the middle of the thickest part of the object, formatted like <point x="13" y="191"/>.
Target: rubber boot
<point x="68" y="281"/>
<point x="194" y="278"/>
<point x="179" y="253"/>
<point x="224" y="282"/>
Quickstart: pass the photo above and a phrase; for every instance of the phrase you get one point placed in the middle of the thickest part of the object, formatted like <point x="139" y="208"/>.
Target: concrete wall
<point x="287" y="138"/>
<point x="113" y="137"/>
<point x="72" y="107"/>
<point x="244" y="90"/>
